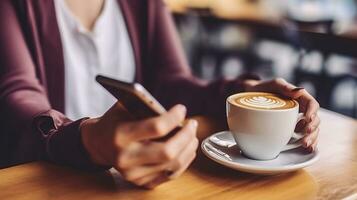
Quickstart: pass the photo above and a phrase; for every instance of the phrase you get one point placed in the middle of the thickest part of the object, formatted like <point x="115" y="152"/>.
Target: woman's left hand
<point x="308" y="105"/>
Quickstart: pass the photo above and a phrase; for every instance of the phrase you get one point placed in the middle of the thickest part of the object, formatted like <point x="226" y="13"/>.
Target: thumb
<point x="119" y="112"/>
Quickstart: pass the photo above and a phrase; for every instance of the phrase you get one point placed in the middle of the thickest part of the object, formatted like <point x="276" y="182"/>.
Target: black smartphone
<point x="134" y="97"/>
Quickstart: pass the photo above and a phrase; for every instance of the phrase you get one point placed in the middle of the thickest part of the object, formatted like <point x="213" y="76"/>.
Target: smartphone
<point x="134" y="97"/>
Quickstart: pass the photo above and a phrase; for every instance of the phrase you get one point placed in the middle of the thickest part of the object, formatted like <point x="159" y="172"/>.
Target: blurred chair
<point x="220" y="40"/>
<point x="323" y="81"/>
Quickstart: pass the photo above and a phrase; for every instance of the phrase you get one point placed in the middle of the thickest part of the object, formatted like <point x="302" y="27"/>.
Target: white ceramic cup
<point x="262" y="134"/>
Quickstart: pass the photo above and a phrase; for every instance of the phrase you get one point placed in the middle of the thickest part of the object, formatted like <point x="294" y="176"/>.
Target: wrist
<point x="88" y="132"/>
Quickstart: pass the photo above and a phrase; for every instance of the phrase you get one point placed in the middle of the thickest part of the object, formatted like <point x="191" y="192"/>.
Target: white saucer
<point x="232" y="157"/>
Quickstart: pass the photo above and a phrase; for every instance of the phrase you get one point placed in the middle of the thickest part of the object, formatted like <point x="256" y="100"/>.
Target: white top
<point x="106" y="50"/>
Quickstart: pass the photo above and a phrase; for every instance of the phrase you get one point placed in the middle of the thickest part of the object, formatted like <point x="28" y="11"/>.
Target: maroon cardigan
<point x="32" y="78"/>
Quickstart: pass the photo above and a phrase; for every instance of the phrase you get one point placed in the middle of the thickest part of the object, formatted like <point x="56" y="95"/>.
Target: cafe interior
<point x="310" y="43"/>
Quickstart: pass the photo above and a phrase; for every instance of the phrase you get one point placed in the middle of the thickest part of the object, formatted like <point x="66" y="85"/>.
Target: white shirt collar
<point x="75" y="25"/>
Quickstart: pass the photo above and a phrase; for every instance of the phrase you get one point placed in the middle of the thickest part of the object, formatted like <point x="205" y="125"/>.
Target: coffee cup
<point x="262" y="123"/>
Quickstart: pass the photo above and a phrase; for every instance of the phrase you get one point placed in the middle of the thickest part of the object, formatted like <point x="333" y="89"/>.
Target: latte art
<point x="265" y="101"/>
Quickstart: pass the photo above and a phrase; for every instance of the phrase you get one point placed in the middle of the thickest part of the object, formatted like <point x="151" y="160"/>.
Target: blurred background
<point x="311" y="43"/>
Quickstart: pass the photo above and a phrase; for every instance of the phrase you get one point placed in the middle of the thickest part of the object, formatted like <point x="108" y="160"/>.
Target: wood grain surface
<point x="334" y="176"/>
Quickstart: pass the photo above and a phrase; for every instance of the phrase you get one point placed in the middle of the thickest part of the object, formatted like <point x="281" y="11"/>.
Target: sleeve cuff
<point x="64" y="144"/>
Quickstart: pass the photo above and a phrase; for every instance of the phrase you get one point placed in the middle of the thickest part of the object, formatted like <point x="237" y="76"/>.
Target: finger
<point x="138" y="172"/>
<point x="170" y="149"/>
<point x="156" y="127"/>
<point x="312" y="109"/>
<point x="179" y="141"/>
<point x="311" y="138"/>
<point x="291" y="90"/>
<point x="312" y="126"/>
<point x="142" y="181"/>
<point x="308" y="103"/>
<point x="182" y="163"/>
<point x="157" y="181"/>
<point x="185" y="159"/>
<point x="304" y="98"/>
<point x="157" y="152"/>
<point x="281" y="86"/>
<point x="150" y="153"/>
<point x="178" y="165"/>
<point x="314" y="146"/>
<point x="119" y="112"/>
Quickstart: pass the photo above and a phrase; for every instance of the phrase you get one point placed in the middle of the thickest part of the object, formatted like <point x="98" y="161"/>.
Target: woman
<point x="50" y="52"/>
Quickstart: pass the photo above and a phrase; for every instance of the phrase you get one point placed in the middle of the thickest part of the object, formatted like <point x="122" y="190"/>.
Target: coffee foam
<point x="264" y="101"/>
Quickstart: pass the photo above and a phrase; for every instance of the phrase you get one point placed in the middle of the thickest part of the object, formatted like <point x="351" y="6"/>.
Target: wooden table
<point x="334" y="176"/>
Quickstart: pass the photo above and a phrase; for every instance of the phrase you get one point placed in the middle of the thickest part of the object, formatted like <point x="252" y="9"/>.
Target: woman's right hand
<point x="128" y="146"/>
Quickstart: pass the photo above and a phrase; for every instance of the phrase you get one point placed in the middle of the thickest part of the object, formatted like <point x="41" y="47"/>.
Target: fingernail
<point x="297" y="89"/>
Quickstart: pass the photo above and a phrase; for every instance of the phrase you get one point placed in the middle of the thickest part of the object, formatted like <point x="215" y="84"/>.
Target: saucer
<point x="231" y="156"/>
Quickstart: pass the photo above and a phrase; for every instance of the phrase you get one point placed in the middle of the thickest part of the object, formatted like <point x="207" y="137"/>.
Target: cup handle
<point x="296" y="137"/>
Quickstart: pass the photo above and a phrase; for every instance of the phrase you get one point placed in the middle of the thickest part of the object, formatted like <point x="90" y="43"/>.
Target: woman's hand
<point x="128" y="146"/>
<point x="308" y="105"/>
